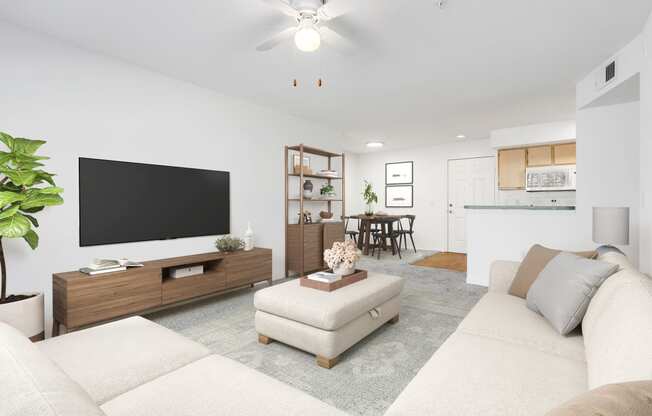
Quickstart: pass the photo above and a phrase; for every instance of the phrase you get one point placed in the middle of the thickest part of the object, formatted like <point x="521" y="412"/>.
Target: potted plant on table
<point x="342" y="257"/>
<point x="25" y="189"/>
<point x="369" y="197"/>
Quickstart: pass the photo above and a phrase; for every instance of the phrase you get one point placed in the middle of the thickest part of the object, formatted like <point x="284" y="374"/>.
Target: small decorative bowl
<point x="326" y="215"/>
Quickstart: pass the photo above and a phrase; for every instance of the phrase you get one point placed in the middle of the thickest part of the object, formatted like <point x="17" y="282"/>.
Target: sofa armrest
<point x="501" y="275"/>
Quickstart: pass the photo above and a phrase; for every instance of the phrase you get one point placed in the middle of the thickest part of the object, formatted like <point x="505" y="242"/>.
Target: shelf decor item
<point x="399" y="173"/>
<point x="229" y="244"/>
<point x="297" y="167"/>
<point x="307" y="189"/>
<point x="327" y="190"/>
<point x="399" y="196"/>
<point x="25" y="189"/>
<point x="249" y="238"/>
<point x="342" y="257"/>
<point x="369" y="197"/>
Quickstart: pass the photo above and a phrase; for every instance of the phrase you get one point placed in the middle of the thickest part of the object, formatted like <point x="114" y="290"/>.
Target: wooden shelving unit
<point x="304" y="243"/>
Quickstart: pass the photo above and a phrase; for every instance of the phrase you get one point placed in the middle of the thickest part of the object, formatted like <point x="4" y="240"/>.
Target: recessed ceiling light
<point x="461" y="136"/>
<point x="375" y="144"/>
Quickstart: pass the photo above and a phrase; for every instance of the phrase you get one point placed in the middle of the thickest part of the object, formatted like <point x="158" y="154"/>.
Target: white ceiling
<point x="420" y="75"/>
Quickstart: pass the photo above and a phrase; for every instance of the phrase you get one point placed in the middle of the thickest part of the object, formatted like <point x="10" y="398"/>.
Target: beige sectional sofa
<point x="135" y="367"/>
<point x="505" y="359"/>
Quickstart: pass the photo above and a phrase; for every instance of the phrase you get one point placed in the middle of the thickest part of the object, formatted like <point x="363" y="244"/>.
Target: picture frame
<point x="399" y="173"/>
<point x="399" y="196"/>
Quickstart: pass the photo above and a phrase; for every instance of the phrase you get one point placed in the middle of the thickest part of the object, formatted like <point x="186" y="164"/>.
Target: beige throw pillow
<point x="533" y="263"/>
<point x="631" y="399"/>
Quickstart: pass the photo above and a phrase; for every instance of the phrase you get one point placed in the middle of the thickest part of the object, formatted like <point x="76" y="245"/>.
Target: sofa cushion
<point x="506" y="318"/>
<point x="631" y="399"/>
<point x="564" y="288"/>
<point x="535" y="260"/>
<point x="216" y="386"/>
<point x="32" y="385"/>
<point x="473" y="375"/>
<point x="110" y="359"/>
<point x="327" y="310"/>
<point x="617" y="330"/>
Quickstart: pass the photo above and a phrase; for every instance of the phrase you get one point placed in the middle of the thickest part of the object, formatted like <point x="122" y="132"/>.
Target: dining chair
<point x="380" y="239"/>
<point x="404" y="233"/>
<point x="352" y="234"/>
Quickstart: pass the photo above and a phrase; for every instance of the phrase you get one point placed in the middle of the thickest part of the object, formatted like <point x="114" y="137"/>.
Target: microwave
<point x="551" y="178"/>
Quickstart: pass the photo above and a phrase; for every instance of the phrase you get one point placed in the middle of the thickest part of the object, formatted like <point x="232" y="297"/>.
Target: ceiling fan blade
<point x="282" y="6"/>
<point x="276" y="39"/>
<point x="335" y="8"/>
<point x="331" y="37"/>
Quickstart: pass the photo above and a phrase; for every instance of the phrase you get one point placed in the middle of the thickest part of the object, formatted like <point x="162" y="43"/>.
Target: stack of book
<point x="325" y="277"/>
<point x="100" y="266"/>
<point x="328" y="173"/>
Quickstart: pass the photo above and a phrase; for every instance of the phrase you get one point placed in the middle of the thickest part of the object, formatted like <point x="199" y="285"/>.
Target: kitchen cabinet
<point x="539" y="156"/>
<point x="565" y="154"/>
<point x="511" y="168"/>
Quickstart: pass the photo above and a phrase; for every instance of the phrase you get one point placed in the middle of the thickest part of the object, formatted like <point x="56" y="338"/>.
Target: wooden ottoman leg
<point x="264" y="339"/>
<point x="393" y="320"/>
<point x="326" y="362"/>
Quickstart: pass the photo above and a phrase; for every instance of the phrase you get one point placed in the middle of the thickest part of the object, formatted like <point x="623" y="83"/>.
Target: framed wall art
<point x="399" y="173"/>
<point x="401" y="196"/>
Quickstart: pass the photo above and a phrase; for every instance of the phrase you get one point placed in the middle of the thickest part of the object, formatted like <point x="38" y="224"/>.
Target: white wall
<point x="608" y="159"/>
<point x="646" y="152"/>
<point x="430" y="185"/>
<point x="534" y="134"/>
<point x="88" y="105"/>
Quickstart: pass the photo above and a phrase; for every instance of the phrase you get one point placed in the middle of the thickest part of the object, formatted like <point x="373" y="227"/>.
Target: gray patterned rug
<point x="371" y="374"/>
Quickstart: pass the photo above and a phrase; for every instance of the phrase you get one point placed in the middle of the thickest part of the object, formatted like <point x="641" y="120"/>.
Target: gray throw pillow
<point x="564" y="288"/>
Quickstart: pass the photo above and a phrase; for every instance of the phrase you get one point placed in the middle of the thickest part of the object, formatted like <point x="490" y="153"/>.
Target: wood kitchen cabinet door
<point x="565" y="154"/>
<point x="511" y="168"/>
<point x="539" y="156"/>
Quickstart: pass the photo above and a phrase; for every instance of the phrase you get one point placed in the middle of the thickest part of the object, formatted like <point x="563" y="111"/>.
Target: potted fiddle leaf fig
<point x="25" y="189"/>
<point x="370" y="198"/>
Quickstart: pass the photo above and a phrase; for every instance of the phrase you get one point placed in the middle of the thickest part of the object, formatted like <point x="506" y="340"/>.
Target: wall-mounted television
<point x="122" y="202"/>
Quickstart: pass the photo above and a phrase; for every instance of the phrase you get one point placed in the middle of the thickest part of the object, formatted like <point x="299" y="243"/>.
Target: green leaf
<point x="8" y="197"/>
<point x="32" y="239"/>
<point x="26" y="146"/>
<point x="14" y="227"/>
<point x="40" y="200"/>
<point x="9" y="212"/>
<point x="32" y="219"/>
<point x="42" y="176"/>
<point x="4" y="157"/>
<point x="21" y="177"/>
<point x="51" y="190"/>
<point x="7" y="140"/>
<point x="32" y="210"/>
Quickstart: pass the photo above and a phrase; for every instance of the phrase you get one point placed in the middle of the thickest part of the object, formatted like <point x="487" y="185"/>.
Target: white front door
<point x="470" y="182"/>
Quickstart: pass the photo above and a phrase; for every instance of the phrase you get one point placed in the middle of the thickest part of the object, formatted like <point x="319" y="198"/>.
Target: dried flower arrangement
<point x="343" y="256"/>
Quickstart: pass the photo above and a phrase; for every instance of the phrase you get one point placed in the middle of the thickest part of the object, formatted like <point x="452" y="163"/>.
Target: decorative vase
<point x="307" y="189"/>
<point x="26" y="315"/>
<point x="249" y="238"/>
<point x="341" y="270"/>
<point x="370" y="209"/>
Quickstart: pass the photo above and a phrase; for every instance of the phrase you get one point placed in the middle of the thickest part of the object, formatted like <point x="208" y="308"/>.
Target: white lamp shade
<point x="611" y="225"/>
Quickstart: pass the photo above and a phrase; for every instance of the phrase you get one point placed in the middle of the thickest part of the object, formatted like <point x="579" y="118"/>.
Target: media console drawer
<point x="248" y="267"/>
<point x="98" y="298"/>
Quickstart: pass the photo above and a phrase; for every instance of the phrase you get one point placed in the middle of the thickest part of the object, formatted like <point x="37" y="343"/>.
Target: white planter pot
<point x="26" y="315"/>
<point x="342" y="271"/>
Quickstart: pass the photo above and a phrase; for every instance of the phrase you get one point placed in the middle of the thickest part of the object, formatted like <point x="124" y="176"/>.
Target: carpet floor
<point x="371" y="374"/>
<point x="450" y="261"/>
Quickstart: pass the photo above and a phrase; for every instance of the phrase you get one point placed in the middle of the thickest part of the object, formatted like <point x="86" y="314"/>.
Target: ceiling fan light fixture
<point x="307" y="37"/>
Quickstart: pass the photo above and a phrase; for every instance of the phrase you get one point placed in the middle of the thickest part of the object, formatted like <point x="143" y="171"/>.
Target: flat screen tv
<point x="122" y="202"/>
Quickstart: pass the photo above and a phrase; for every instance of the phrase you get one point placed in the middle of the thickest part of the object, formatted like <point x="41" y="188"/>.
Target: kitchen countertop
<point x="525" y="207"/>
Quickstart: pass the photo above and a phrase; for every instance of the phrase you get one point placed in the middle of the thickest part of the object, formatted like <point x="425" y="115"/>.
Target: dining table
<point x="386" y="222"/>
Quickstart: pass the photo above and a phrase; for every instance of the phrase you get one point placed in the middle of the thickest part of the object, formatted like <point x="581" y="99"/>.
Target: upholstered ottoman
<point x="326" y="323"/>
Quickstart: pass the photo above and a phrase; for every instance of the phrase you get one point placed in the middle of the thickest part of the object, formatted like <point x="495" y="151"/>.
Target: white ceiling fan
<point x="310" y="29"/>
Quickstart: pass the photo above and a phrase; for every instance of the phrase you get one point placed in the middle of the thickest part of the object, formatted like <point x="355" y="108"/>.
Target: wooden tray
<point x="329" y="287"/>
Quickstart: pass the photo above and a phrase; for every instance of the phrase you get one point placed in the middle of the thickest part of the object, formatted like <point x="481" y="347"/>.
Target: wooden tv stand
<point x="80" y="300"/>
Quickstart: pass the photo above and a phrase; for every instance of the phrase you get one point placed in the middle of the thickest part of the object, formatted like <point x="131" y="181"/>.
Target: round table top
<point x="379" y="218"/>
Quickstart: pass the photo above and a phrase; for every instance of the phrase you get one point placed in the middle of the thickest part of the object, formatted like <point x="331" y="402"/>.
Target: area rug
<point x="449" y="261"/>
<point x="371" y="374"/>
